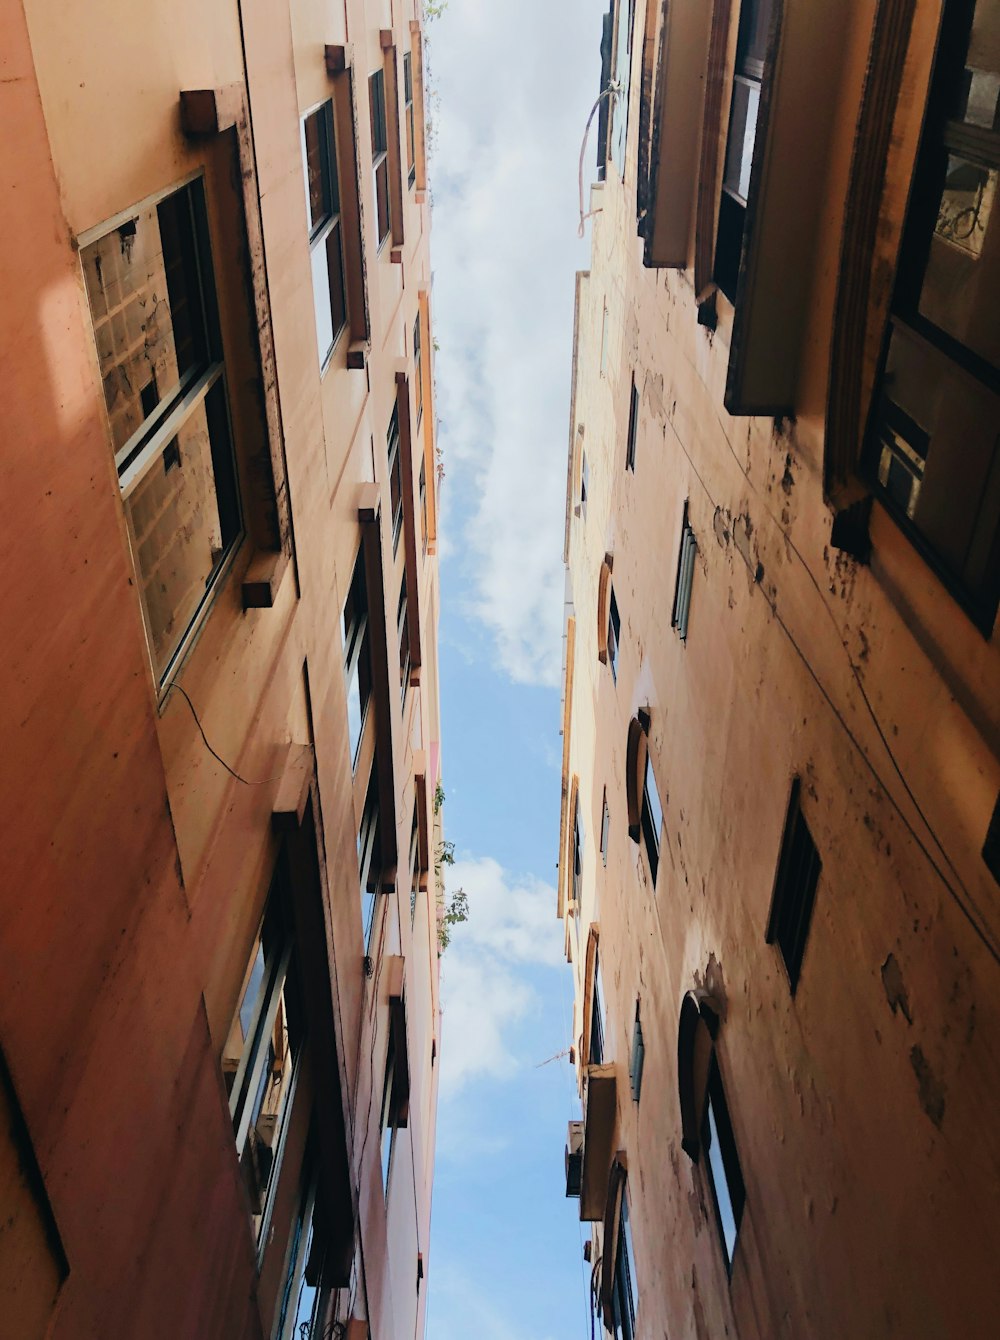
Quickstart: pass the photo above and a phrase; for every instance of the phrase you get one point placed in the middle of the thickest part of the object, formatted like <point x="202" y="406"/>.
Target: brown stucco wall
<point x="858" y="1103"/>
<point x="135" y="867"/>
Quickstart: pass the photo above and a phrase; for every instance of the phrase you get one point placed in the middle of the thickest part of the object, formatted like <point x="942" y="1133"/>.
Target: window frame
<point x="403" y="634"/>
<point x="280" y="974"/>
<point x="321" y="233"/>
<point x="605" y="827"/>
<point x="687" y="552"/>
<point x="379" y="118"/>
<point x="651" y="827"/>
<point x="614" y="633"/>
<point x="203" y="384"/>
<point x="394" y="457"/>
<point x="624" y="1290"/>
<point x="944" y="135"/>
<point x="410" y="119"/>
<point x="418" y="372"/>
<point x="370" y="859"/>
<point x="715" y="1115"/>
<point x="357" y="652"/>
<point x="300" y="1254"/>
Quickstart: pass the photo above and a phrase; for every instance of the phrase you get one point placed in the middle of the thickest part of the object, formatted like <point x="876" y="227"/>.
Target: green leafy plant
<point x="455" y="913"/>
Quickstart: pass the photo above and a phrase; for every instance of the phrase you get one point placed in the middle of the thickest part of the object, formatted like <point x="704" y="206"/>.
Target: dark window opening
<point x="633" y="427"/>
<point x="722" y="1164"/>
<point x="614" y="633"/>
<point x="380" y="153"/>
<point x="794" y="889"/>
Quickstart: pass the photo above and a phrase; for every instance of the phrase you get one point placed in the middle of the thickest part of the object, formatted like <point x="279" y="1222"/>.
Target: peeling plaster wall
<point x="860" y="1105"/>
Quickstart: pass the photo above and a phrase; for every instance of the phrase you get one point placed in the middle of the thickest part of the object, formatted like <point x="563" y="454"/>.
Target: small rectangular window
<point x="604" y="343"/>
<point x="403" y="632"/>
<point x="422" y="486"/>
<point x="326" y="243"/>
<point x="751" y="49"/>
<point x="685" y="577"/>
<point x="153" y="307"/>
<point x="369" y="859"/>
<point x="614" y="633"/>
<point x="652" y="820"/>
<point x="722" y="1164"/>
<point x="418" y="372"/>
<point x="584" y="484"/>
<point x="357" y="656"/>
<point x="618" y="134"/>
<point x="633" y="427"/>
<point x="389" y="1119"/>
<point x="794" y="889"/>
<point x="577" y="851"/>
<point x="395" y="477"/>
<point x="380" y="153"/>
<point x="598" y="1018"/>
<point x="411" y="158"/>
<point x="414" y="864"/>
<point x="638" y="1057"/>
<point x="624" y="1294"/>
<point x="262" y="1051"/>
<point x="305" y="1299"/>
<point x="605" y="828"/>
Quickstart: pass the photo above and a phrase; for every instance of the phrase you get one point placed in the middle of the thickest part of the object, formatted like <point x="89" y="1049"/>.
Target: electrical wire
<point x="264" y="781"/>
<point x="613" y="90"/>
<point x="964" y="901"/>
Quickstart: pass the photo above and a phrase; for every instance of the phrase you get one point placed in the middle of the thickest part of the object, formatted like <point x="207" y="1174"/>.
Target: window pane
<point x="321" y="301"/>
<point x="335" y="266"/>
<point x="980" y="99"/>
<point x="317" y="171"/>
<point x="939" y="457"/>
<point x="653" y="798"/>
<point x="382" y="197"/>
<point x="719" y="1181"/>
<point x="755" y="24"/>
<point x="146" y="303"/>
<point x="742" y="131"/>
<point x="963" y="267"/>
<point x="178" y="537"/>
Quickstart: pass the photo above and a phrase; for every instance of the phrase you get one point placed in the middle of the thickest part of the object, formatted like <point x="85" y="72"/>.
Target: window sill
<point x="263" y="577"/>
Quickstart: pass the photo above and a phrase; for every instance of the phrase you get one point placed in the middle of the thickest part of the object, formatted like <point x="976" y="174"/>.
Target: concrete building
<point x="219" y="1009"/>
<point x="780" y="841"/>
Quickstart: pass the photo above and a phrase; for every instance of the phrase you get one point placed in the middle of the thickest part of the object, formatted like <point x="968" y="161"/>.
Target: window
<point x="722" y="1164"/>
<point x="598" y="1020"/>
<point x="262" y="1050"/>
<point x="633" y="427"/>
<point x="418" y="377"/>
<point x="623" y="1298"/>
<point x="411" y="158"/>
<point x="390" y="1121"/>
<point x="604" y="342"/>
<point x="403" y="633"/>
<point x="152" y="302"/>
<point x="751" y="49"/>
<point x="685" y="576"/>
<point x="577" y="851"/>
<point x="380" y="152"/>
<point x="794" y="889"/>
<point x="605" y="827"/>
<point x="422" y="486"/>
<point x="652" y="820"/>
<point x="584" y="484"/>
<point x="414" y="864"/>
<point x="933" y="448"/>
<point x="645" y="816"/>
<point x="395" y="478"/>
<point x="623" y="76"/>
<point x="326" y="243"/>
<point x="369" y="859"/>
<point x="357" y="656"/>
<point x="614" y="633"/>
<point x="638" y="1056"/>
<point x="305" y="1300"/>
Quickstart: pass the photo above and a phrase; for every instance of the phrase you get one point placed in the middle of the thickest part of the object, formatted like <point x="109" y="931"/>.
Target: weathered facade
<point x="219" y="1009"/>
<point x="780" y="842"/>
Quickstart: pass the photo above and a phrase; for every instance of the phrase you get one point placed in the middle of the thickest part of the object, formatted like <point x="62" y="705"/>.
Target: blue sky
<point x="513" y="84"/>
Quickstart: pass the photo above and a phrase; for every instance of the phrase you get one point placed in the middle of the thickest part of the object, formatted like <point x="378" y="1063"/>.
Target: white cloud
<point x="516" y="82"/>
<point x="485" y="988"/>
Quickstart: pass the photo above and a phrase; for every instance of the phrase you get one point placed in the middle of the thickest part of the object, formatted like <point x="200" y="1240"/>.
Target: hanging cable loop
<point x="613" y="90"/>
